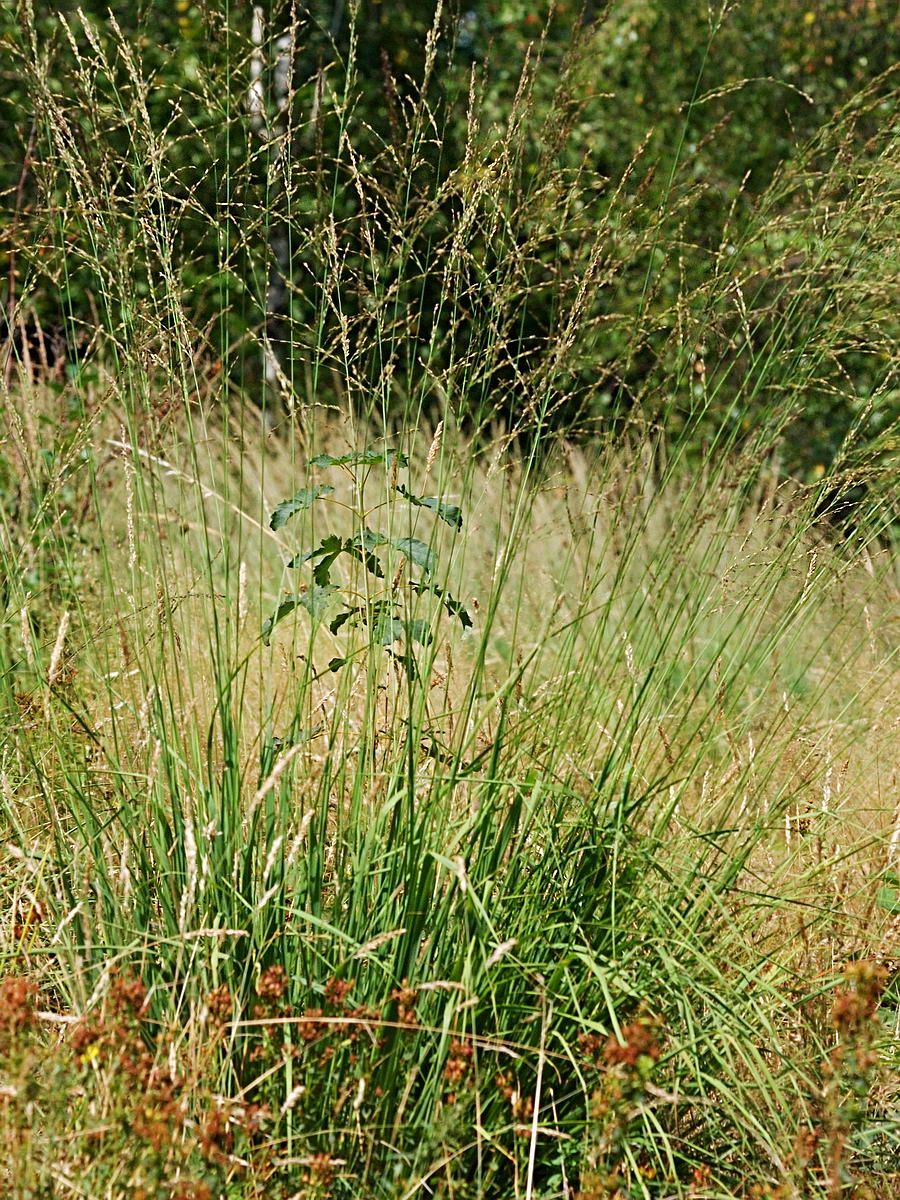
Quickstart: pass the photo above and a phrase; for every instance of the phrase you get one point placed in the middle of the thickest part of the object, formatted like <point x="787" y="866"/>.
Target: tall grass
<point x="563" y="911"/>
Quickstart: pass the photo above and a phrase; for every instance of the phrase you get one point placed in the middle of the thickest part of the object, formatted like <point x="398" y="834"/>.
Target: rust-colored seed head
<point x="17" y="997"/>
<point x="272" y="983"/>
<point x="337" y="991"/>
<point x="219" y="1003"/>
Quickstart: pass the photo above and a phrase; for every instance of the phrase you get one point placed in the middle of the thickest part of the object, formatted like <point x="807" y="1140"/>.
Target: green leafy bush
<point x="383" y="613"/>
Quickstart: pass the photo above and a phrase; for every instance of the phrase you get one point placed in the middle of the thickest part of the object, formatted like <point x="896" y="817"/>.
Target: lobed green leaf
<point x="418" y="631"/>
<point x="315" y="601"/>
<point x="283" y="610"/>
<point x="300" y="500"/>
<point x="454" y="607"/>
<point x="388" y="629"/>
<point x="418" y="552"/>
<point x="327" y="551"/>
<point x="451" y="513"/>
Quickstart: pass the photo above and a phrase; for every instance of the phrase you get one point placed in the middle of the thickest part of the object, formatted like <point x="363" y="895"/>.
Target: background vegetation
<point x="636" y="147"/>
<point x="448" y="591"/>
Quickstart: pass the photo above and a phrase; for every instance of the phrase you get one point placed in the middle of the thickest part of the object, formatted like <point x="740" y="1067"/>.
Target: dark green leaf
<point x="299" y="559"/>
<point x="456" y="609"/>
<point x="888" y="899"/>
<point x="327" y="551"/>
<point x="335" y="664"/>
<point x="418" y="631"/>
<point x="370" y="540"/>
<point x="280" y="613"/>
<point x="453" y="607"/>
<point x="450" y="513"/>
<point x="387" y="629"/>
<point x="369" y="561"/>
<point x="316" y="600"/>
<point x="407" y="662"/>
<point x="331" y="545"/>
<point x="322" y="573"/>
<point x="360" y="547"/>
<point x="343" y="617"/>
<point x="418" y="552"/>
<point x="364" y="458"/>
<point x="300" y="500"/>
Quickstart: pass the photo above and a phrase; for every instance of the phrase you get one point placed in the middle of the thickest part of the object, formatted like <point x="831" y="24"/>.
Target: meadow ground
<point x="593" y="896"/>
